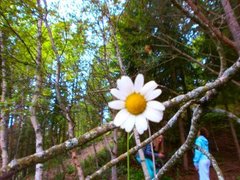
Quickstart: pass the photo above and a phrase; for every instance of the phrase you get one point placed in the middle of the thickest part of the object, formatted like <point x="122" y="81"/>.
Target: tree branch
<point x="18" y="164"/>
<point x="187" y="144"/>
<point x="213" y="161"/>
<point x="191" y="59"/>
<point x="199" y="18"/>
<point x="116" y="44"/>
<point x="19" y="37"/>
<point x="232" y="23"/>
<point x="226" y="76"/>
<point x="229" y="114"/>
<point x="133" y="150"/>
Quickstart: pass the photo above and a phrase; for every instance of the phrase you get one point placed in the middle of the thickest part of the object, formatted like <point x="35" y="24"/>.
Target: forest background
<point x="59" y="60"/>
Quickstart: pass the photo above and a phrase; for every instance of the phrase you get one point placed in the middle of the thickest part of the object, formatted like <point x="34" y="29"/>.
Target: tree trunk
<point x="234" y="134"/>
<point x="35" y="98"/>
<point x="64" y="108"/>
<point x="235" y="139"/>
<point x="110" y="150"/>
<point x="114" y="154"/>
<point x="141" y="154"/>
<point x="95" y="154"/>
<point x="180" y="122"/>
<point x="19" y="135"/>
<point x="74" y="154"/>
<point x="232" y="22"/>
<point x="3" y="118"/>
<point x="183" y="139"/>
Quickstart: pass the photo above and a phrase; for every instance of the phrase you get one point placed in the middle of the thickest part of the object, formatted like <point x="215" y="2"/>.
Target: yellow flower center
<point x="135" y="103"/>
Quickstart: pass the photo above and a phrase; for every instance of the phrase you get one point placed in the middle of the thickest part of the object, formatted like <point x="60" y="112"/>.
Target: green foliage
<point x="59" y="176"/>
<point x="136" y="174"/>
<point x="70" y="169"/>
<point x="19" y="28"/>
<point x="89" y="70"/>
<point x="55" y="162"/>
<point x="215" y="120"/>
<point x="89" y="164"/>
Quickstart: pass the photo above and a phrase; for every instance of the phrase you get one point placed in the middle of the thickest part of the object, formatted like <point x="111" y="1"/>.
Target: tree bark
<point x="180" y="122"/>
<point x="114" y="153"/>
<point x="234" y="134"/>
<point x="186" y="145"/>
<point x="3" y="118"/>
<point x="183" y="139"/>
<point x="19" y="164"/>
<point x="235" y="139"/>
<point x="74" y="154"/>
<point x="205" y="23"/>
<point x="33" y="108"/>
<point x="232" y="22"/>
<point x="141" y="154"/>
<point x="95" y="154"/>
<point x="213" y="162"/>
<point x="65" y="108"/>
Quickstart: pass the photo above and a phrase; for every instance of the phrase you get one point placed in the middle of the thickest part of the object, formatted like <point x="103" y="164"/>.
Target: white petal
<point x="118" y="94"/>
<point x="153" y="114"/>
<point x="153" y="94"/>
<point x="129" y="123"/>
<point x="156" y="105"/>
<point x="125" y="85"/>
<point x="123" y="124"/>
<point x="150" y="86"/>
<point x="141" y="123"/>
<point x="117" y="104"/>
<point x="121" y="117"/>
<point x="119" y="83"/>
<point x="139" y="82"/>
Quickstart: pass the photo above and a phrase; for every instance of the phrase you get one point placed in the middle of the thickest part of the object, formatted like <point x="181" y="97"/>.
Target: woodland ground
<point x="222" y="147"/>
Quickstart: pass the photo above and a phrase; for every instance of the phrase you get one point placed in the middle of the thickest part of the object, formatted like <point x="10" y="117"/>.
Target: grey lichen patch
<point x="12" y="163"/>
<point x="98" y="172"/>
<point x="172" y="121"/>
<point x="87" y="136"/>
<point x="114" y="161"/>
<point x="99" y="128"/>
<point x="40" y="154"/>
<point x="71" y="142"/>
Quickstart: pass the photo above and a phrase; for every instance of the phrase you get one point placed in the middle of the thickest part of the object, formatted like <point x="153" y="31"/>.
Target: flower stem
<point x="128" y="157"/>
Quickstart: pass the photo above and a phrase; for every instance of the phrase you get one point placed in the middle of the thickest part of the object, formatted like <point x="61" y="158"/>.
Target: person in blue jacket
<point x="201" y="161"/>
<point x="158" y="152"/>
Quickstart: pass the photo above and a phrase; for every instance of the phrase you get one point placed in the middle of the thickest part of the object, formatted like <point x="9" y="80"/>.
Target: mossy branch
<point x="213" y="161"/>
<point x="18" y="164"/>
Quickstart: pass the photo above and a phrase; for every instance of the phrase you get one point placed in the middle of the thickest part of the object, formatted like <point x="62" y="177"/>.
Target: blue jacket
<point x="148" y="152"/>
<point x="202" y="142"/>
<point x="149" y="162"/>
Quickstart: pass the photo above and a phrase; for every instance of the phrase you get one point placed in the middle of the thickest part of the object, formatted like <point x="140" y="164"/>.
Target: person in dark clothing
<point x="158" y="152"/>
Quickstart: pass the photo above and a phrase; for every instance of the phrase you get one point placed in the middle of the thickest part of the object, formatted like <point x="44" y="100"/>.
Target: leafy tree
<point x="190" y="48"/>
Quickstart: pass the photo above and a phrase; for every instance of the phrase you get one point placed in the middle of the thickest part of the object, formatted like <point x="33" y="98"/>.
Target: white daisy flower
<point x="136" y="104"/>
